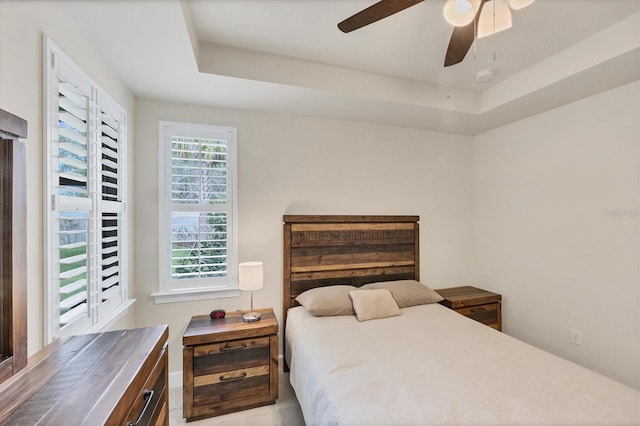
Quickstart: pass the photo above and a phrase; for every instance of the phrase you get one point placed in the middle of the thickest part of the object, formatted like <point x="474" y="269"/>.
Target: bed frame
<point x="326" y="250"/>
<point x="354" y="250"/>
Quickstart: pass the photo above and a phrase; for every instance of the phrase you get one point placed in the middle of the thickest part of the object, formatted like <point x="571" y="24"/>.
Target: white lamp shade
<point x="460" y="13"/>
<point x="250" y="275"/>
<point x="487" y="25"/>
<point x="519" y="4"/>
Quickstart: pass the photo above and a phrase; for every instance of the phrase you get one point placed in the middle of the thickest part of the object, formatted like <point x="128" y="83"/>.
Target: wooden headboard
<point x="354" y="250"/>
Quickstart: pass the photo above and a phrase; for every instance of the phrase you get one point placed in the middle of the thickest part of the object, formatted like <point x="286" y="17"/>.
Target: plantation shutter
<point x="86" y="222"/>
<point x="73" y="146"/>
<point x="198" y="193"/>
<point x="73" y="264"/>
<point x="71" y="219"/>
<point x="110" y="128"/>
<point x="111" y="247"/>
<point x="199" y="216"/>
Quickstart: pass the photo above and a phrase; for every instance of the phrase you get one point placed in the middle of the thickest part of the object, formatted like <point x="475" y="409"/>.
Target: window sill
<point x="113" y="317"/>
<point x="189" y="295"/>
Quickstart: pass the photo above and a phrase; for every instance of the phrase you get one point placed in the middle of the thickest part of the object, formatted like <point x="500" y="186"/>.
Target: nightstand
<point x="480" y="305"/>
<point x="229" y="365"/>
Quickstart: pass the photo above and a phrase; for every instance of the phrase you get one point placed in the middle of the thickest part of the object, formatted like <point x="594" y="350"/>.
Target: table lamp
<point x="250" y="278"/>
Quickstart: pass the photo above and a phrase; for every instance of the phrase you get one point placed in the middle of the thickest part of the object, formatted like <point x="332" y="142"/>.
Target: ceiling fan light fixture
<point x="460" y="13"/>
<point x="519" y="4"/>
<point x="495" y="17"/>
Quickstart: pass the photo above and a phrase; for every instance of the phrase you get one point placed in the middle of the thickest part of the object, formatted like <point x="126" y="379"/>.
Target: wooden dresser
<point x="475" y="303"/>
<point x="115" y="378"/>
<point x="229" y="365"/>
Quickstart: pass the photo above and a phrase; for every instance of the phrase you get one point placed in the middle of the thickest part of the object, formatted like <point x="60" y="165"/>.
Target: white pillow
<point x="372" y="304"/>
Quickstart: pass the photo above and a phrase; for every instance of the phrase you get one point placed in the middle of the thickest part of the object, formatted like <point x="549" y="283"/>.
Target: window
<point x="198" y="217"/>
<point x="86" y="223"/>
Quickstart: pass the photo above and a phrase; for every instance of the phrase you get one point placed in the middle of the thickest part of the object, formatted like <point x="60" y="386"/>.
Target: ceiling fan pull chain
<point x="494" y="15"/>
<point x="494" y="28"/>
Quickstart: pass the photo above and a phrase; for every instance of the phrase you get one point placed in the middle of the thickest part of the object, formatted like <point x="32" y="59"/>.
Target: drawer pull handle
<point x="240" y="376"/>
<point x="233" y="348"/>
<point x="148" y="396"/>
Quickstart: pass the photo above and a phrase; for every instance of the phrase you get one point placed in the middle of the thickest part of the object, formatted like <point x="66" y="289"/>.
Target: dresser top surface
<point x="81" y="377"/>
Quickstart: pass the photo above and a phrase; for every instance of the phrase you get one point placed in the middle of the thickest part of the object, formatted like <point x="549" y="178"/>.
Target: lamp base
<point x="251" y="317"/>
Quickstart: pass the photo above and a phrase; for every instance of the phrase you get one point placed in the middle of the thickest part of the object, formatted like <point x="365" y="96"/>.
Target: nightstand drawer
<point x="230" y="355"/>
<point x="486" y="314"/>
<point x="230" y="385"/>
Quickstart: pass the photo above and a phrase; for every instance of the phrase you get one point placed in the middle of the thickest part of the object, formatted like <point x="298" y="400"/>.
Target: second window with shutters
<point x="197" y="212"/>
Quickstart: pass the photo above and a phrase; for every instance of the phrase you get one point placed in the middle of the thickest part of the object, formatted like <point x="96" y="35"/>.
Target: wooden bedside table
<point x="480" y="305"/>
<point x="229" y="365"/>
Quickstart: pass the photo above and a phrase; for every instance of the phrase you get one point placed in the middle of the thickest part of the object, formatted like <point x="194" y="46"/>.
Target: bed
<point x="428" y="365"/>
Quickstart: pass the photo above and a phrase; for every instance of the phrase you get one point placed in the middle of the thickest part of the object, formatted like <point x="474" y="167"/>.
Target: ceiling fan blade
<point x="461" y="40"/>
<point x="374" y="13"/>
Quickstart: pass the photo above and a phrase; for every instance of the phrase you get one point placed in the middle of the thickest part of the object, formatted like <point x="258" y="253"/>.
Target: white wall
<point x="556" y="229"/>
<point x="22" y="24"/>
<point x="295" y="165"/>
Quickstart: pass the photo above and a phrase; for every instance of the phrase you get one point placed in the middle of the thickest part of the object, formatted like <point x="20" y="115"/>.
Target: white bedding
<point x="431" y="365"/>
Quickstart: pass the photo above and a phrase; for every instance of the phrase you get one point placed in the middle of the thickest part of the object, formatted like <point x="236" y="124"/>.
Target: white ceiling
<point x="410" y="44"/>
<point x="288" y="56"/>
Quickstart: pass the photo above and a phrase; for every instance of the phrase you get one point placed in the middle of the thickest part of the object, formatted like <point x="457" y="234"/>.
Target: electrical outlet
<point x="576" y="337"/>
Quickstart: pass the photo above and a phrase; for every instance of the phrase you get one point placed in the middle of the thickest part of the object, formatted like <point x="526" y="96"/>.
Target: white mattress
<point x="431" y="365"/>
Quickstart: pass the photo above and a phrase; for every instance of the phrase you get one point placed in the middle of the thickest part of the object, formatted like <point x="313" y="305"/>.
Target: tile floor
<point x="285" y="411"/>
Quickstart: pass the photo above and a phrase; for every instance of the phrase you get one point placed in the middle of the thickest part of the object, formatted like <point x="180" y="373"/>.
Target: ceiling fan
<point x="471" y="19"/>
